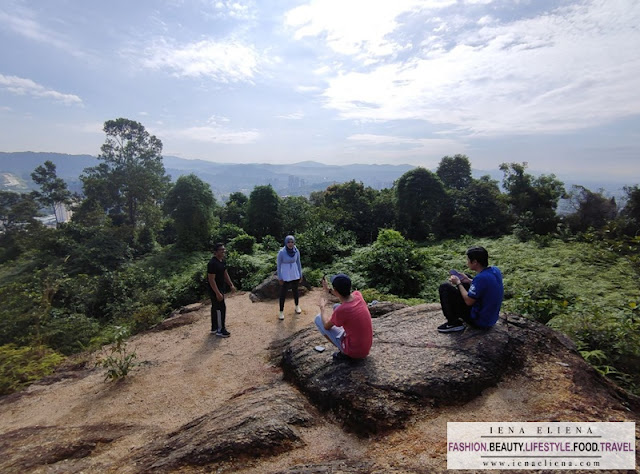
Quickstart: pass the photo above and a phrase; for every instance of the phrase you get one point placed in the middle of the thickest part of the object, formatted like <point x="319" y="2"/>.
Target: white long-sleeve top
<point x="289" y="268"/>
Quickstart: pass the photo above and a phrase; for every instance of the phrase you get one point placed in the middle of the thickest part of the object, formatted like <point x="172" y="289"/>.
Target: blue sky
<point x="553" y="83"/>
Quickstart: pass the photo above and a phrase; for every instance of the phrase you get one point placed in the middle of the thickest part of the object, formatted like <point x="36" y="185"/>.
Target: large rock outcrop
<point x="412" y="368"/>
<point x="260" y="422"/>
<point x="269" y="289"/>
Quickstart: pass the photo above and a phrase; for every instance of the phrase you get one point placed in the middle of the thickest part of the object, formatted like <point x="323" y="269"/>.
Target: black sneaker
<point x="446" y="327"/>
<point x="338" y="356"/>
<point x="223" y="333"/>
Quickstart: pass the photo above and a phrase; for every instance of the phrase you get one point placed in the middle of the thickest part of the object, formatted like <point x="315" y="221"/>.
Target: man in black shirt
<point x="218" y="279"/>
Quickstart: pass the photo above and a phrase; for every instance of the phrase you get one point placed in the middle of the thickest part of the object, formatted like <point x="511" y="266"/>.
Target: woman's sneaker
<point x="281" y="315"/>
<point x="446" y="327"/>
<point x="298" y="310"/>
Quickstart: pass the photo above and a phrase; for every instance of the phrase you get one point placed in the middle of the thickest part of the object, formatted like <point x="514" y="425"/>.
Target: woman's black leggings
<point x="283" y="292"/>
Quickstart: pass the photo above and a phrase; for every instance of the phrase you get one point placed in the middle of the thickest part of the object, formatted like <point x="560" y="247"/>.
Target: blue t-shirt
<point x="487" y="289"/>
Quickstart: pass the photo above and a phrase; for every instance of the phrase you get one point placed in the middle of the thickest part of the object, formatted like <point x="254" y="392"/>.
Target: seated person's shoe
<point x="456" y="327"/>
<point x="338" y="356"/>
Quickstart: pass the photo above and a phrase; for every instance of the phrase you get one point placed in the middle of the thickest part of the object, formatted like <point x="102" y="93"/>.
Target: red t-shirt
<point x="355" y="318"/>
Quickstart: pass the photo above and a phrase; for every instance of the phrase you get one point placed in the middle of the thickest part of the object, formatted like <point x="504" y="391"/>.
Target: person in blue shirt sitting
<point x="475" y="302"/>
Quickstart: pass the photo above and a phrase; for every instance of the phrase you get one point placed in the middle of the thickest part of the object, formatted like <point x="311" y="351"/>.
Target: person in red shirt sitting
<point x="348" y="326"/>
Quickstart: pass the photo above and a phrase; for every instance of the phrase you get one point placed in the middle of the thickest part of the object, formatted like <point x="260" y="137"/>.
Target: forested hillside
<point x="137" y="246"/>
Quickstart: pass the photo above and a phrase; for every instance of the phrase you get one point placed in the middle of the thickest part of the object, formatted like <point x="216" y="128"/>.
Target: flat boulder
<point x="269" y="289"/>
<point x="412" y="368"/>
<point x="260" y="421"/>
<point x="379" y="308"/>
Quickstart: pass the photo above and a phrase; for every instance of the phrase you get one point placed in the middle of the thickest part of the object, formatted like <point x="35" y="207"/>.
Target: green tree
<point x="191" y="203"/>
<point x="235" y="209"/>
<point x="392" y="265"/>
<point x="263" y="212"/>
<point x="455" y="172"/>
<point x="591" y="210"/>
<point x="420" y="198"/>
<point x="131" y="179"/>
<point x="18" y="224"/>
<point x="53" y="190"/>
<point x="630" y="213"/>
<point x="480" y="210"/>
<point x="533" y="201"/>
<point x="350" y="205"/>
<point x="297" y="214"/>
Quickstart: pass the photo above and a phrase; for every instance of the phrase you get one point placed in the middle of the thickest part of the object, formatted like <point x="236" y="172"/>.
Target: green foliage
<point x="350" y="205"/>
<point x="242" y="244"/>
<point x="533" y="201"/>
<point x="131" y="174"/>
<point x="421" y="198"/>
<point x="147" y="316"/>
<point x="322" y="243"/>
<point x="455" y="172"/>
<point x="235" y="209"/>
<point x="372" y="294"/>
<point x="191" y="204"/>
<point x="392" y="265"/>
<point x="247" y="271"/>
<point x="69" y="334"/>
<point x="270" y="244"/>
<point x="20" y="366"/>
<point x="117" y="360"/>
<point x="297" y="214"/>
<point x="226" y="232"/>
<point x="53" y="190"/>
<point x="264" y="216"/>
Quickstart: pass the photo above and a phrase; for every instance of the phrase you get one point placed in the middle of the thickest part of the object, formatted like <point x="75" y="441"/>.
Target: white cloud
<point x="304" y="89"/>
<point x="355" y="28"/>
<point x="574" y="68"/>
<point x="212" y="134"/>
<point x="22" y="86"/>
<point x="222" y="61"/>
<point x="24" y="25"/>
<point x="293" y="116"/>
<point x="234" y="9"/>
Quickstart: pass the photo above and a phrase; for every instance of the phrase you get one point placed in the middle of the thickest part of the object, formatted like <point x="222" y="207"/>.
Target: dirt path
<point x="187" y="372"/>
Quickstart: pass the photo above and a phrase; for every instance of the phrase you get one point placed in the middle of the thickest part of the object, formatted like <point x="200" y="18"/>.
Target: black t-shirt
<point x="217" y="268"/>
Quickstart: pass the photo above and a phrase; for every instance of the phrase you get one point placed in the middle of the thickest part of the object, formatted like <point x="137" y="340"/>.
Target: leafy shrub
<point x="392" y="265"/>
<point x="322" y="243"/>
<point x="270" y="244"/>
<point x="69" y="334"/>
<point x="371" y="294"/>
<point x="314" y="277"/>
<point x="117" y="361"/>
<point x="540" y="300"/>
<point x="247" y="271"/>
<point x="243" y="244"/>
<point x="147" y="316"/>
<point x="20" y="366"/>
<point x="226" y="233"/>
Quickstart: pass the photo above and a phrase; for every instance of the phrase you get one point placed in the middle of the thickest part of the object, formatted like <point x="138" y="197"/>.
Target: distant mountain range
<point x="298" y="179"/>
<point x="224" y="178"/>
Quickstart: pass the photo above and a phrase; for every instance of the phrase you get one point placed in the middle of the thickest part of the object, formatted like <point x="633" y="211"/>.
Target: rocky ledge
<point x="412" y="368"/>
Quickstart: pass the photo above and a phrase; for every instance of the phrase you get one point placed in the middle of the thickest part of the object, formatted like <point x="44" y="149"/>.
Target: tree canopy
<point x="131" y="177"/>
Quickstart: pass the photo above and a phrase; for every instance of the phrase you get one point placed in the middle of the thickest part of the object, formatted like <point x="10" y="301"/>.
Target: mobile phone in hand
<point x="458" y="274"/>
